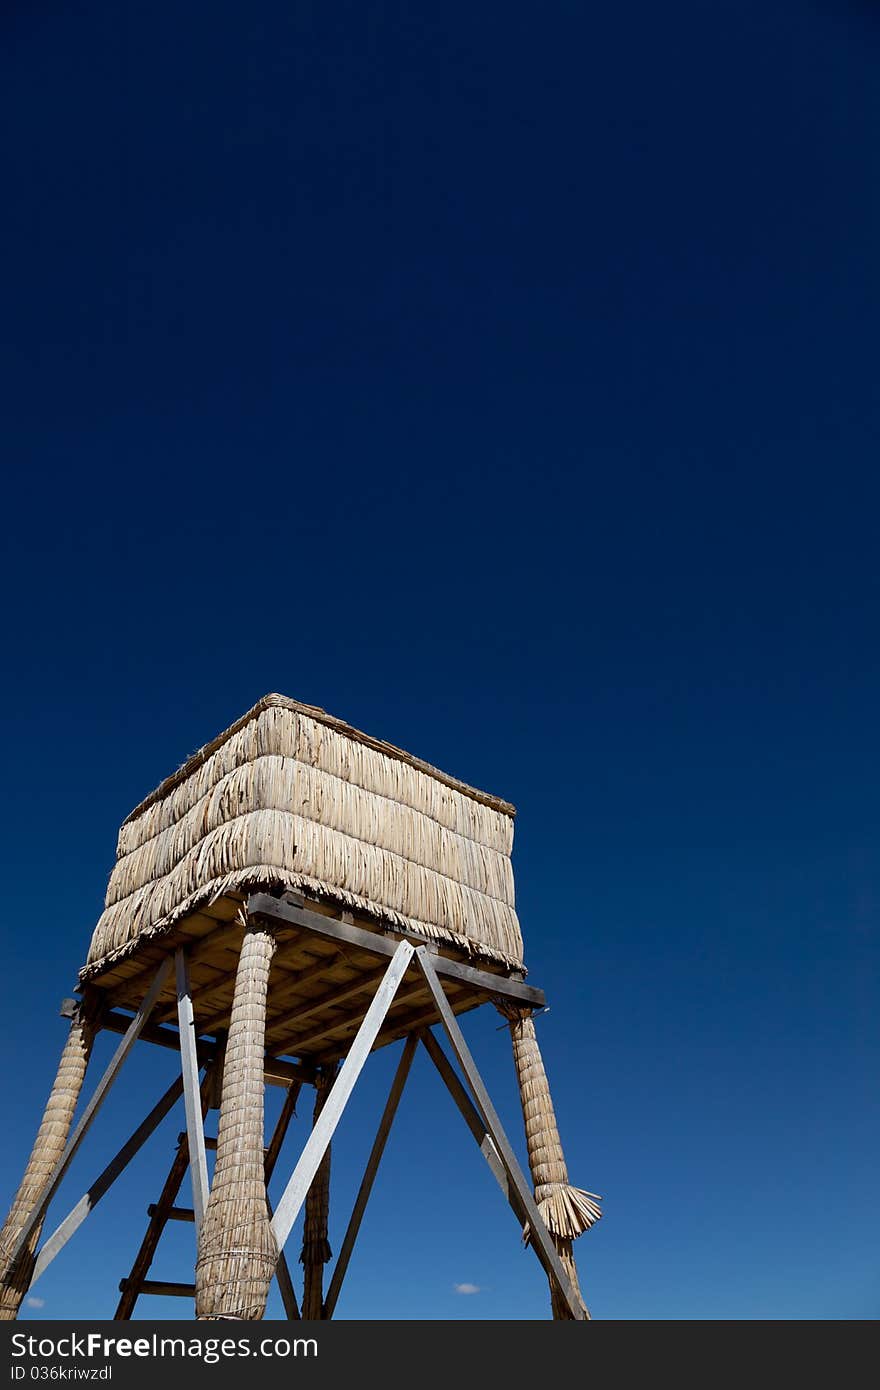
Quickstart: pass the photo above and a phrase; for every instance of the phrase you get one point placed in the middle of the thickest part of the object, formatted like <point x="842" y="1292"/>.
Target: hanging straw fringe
<point x="237" y="1250"/>
<point x="289" y="796"/>
<point x="48" y="1148"/>
<point x="316" y="1250"/>
<point x="566" y="1211"/>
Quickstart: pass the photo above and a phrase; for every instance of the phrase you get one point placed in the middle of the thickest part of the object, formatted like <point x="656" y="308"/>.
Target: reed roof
<point x="291" y="797"/>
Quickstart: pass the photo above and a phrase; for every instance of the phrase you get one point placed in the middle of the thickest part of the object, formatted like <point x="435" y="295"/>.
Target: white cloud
<point x="35" y="1302"/>
<point x="466" y="1288"/>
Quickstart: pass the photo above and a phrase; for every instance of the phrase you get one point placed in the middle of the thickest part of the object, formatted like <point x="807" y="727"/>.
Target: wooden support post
<point x="91" y="1110"/>
<point x="369" y="1177"/>
<point x="90" y="1199"/>
<point x="540" y="1237"/>
<point x="294" y="1194"/>
<point x="189" y="1062"/>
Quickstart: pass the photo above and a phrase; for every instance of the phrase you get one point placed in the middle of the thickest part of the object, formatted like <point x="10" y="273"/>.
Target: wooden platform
<point x="324" y="974"/>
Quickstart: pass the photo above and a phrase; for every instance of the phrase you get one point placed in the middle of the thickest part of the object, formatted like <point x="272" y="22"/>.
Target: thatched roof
<point x="291" y="797"/>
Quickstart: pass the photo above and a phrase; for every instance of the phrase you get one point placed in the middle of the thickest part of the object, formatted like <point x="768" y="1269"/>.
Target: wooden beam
<point x="369" y="1177"/>
<point x="281" y="994"/>
<point x="330" y="999"/>
<point x="322" y="1132"/>
<point x="99" y="1095"/>
<point x="90" y="1199"/>
<point x="185" y="1214"/>
<point x="200" y="946"/>
<point x="540" y="1239"/>
<point x="277" y="1071"/>
<point x="331" y="1026"/>
<point x="195" y="1128"/>
<point x="282" y="958"/>
<point x="273" y="910"/>
<point x="161" y="1288"/>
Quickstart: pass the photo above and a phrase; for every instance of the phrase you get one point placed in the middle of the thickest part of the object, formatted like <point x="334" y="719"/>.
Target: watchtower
<point x="296" y="895"/>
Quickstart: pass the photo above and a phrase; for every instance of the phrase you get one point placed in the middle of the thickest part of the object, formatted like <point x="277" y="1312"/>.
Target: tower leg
<point x="237" y="1250"/>
<point x="316" y="1248"/>
<point x="15" y="1273"/>
<point x="567" y="1211"/>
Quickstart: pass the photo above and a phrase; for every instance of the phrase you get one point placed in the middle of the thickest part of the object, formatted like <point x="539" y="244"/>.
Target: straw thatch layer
<point x="316" y="1250"/>
<point x="237" y="1250"/>
<point x="566" y="1211"/>
<point x="48" y="1148"/>
<point x="290" y="798"/>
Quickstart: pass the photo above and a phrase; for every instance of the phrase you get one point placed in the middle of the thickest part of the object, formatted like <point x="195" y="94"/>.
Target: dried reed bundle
<point x="291" y="797"/>
<point x="237" y="1250"/>
<point x="48" y="1147"/>
<point x="315" y="1247"/>
<point x="567" y="1211"/>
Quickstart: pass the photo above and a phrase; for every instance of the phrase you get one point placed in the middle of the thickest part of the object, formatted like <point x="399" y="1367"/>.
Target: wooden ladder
<point x="163" y="1211"/>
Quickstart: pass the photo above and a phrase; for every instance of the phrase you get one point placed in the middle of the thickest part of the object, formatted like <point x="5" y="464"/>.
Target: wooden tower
<point x="295" y="896"/>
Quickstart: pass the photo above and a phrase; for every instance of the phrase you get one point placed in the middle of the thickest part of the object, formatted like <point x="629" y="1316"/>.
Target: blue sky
<point x="504" y="382"/>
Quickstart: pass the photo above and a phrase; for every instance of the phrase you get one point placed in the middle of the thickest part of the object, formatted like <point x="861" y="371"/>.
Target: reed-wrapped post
<point x="52" y="1136"/>
<point x="567" y="1211"/>
<point x="237" y="1250"/>
<point x="316" y="1250"/>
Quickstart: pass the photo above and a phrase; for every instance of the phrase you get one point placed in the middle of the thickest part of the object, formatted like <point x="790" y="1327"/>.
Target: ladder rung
<point x="173" y="1213"/>
<point x="209" y="1143"/>
<point x="156" y="1286"/>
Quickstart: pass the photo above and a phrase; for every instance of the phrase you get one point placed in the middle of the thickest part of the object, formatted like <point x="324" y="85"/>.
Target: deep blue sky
<point x="502" y="378"/>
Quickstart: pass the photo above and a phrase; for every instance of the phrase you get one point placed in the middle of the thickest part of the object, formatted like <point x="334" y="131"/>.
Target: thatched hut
<point x="322" y="893"/>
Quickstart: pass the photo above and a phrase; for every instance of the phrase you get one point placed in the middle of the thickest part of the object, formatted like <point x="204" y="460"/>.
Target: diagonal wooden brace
<point x="90" y="1199"/>
<point x="294" y="1195"/>
<point x="540" y="1236"/>
<point x="369" y="1177"/>
<point x="131" y="1036"/>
